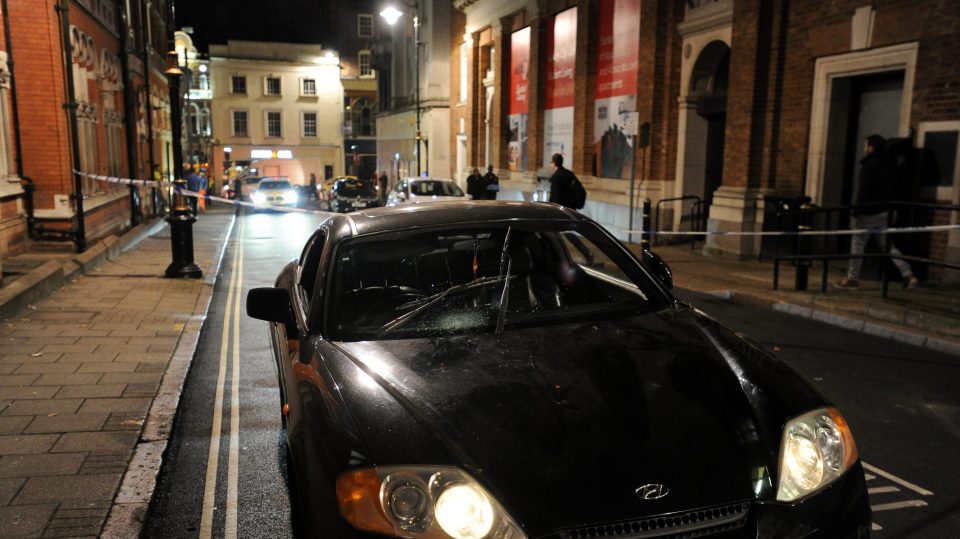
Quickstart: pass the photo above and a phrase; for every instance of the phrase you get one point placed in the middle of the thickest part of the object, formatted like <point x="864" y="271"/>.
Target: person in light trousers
<point x="878" y="174"/>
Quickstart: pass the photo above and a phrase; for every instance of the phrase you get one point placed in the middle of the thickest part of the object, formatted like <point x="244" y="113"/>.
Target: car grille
<point x="683" y="524"/>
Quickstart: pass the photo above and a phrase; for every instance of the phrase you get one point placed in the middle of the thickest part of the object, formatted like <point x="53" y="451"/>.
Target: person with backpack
<point x="565" y="188"/>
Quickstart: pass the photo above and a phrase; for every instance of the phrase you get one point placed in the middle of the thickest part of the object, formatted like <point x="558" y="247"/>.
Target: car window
<point x="446" y="281"/>
<point x="352" y="188"/>
<point x="435" y="188"/>
<point x="274" y="185"/>
<point x="310" y="264"/>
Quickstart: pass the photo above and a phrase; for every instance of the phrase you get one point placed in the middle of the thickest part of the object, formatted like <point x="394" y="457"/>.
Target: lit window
<point x="309" y="124"/>
<point x="272" y="86"/>
<point x="364" y="62"/>
<point x="309" y="87"/>
<point x="238" y="84"/>
<point x="365" y="25"/>
<point x="273" y="124"/>
<point x="239" y="123"/>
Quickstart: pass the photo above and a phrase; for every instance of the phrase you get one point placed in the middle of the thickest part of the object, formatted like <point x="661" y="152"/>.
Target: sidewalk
<point x="82" y="370"/>
<point x="928" y="315"/>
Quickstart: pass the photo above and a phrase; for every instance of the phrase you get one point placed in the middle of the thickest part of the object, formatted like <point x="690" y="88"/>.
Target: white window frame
<point x="245" y="87"/>
<point x="360" y="56"/>
<point x="266" y="123"/>
<point x="303" y="83"/>
<point x="233" y="123"/>
<point x="362" y="17"/>
<point x="266" y="86"/>
<point x="464" y="68"/>
<point x="303" y="124"/>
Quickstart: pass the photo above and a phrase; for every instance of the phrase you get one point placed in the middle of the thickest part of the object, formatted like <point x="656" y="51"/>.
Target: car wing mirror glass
<point x="658" y="268"/>
<point x="270" y="304"/>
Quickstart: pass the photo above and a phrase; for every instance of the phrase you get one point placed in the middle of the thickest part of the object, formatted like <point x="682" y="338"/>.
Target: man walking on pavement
<point x="475" y="185"/>
<point x="194" y="183"/>
<point x="563" y="187"/>
<point x="383" y="187"/>
<point x="878" y="174"/>
<point x="491" y="184"/>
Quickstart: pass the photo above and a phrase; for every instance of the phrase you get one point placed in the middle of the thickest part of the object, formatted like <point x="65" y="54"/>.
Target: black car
<point x="509" y="370"/>
<point x="349" y="194"/>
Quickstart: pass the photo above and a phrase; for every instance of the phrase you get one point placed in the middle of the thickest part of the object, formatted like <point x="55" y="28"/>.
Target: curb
<point x="128" y="510"/>
<point x="851" y="323"/>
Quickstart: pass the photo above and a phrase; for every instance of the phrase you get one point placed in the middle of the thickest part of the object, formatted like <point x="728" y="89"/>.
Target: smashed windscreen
<point x="487" y="278"/>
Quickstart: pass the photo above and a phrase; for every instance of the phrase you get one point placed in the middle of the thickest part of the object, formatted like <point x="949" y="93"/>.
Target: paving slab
<point x="60" y="423"/>
<point x="60" y="488"/>
<point x="25" y="521"/>
<point x="36" y="465"/>
<point x="100" y="442"/>
<point x="26" y="443"/>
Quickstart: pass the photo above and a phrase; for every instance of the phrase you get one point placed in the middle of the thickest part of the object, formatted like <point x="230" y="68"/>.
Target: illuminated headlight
<point x="290" y="197"/>
<point x="816" y="449"/>
<point x="258" y="197"/>
<point x="429" y="502"/>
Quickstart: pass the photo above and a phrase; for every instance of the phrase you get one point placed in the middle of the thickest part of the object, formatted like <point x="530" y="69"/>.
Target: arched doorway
<point x="706" y="121"/>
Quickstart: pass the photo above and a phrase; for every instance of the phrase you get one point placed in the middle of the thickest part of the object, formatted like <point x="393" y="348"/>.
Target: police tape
<point x="766" y="233"/>
<point x="845" y="232"/>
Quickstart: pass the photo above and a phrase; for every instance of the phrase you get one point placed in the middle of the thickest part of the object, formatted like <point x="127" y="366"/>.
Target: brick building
<point x="744" y="99"/>
<point x="120" y="111"/>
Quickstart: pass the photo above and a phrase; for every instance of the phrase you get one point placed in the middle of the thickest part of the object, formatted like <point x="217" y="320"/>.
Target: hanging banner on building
<point x="617" y="62"/>
<point x="558" y="113"/>
<point x="519" y="99"/>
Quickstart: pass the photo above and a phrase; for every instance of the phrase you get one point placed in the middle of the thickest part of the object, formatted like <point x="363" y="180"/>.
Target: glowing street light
<point x="392" y="15"/>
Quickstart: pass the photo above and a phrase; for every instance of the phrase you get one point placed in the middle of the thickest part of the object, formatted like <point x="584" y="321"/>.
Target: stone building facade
<point x="745" y="100"/>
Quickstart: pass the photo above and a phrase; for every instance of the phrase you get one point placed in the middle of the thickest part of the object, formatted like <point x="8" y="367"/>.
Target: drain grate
<point x="683" y="524"/>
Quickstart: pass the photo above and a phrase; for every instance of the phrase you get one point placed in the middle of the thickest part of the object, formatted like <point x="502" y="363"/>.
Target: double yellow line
<point x="231" y="317"/>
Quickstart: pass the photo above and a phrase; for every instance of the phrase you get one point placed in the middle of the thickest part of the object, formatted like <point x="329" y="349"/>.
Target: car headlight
<point x="258" y="197"/>
<point x="816" y="449"/>
<point x="290" y="197"/>
<point x="429" y="502"/>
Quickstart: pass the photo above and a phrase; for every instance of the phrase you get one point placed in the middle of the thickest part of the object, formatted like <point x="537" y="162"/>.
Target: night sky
<point x="288" y="21"/>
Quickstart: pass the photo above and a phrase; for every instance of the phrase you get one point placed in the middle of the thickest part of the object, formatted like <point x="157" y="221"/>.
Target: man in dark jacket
<point x="561" y="182"/>
<point x="878" y="176"/>
<point x="475" y="187"/>
<point x="491" y="184"/>
<point x="194" y="183"/>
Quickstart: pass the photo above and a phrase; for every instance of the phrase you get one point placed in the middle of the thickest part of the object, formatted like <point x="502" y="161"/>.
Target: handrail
<point x="804" y="219"/>
<point x="695" y="216"/>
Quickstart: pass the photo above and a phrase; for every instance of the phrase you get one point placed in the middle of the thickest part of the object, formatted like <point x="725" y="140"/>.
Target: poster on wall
<point x="558" y="109"/>
<point x="519" y="99"/>
<point x="616" y="92"/>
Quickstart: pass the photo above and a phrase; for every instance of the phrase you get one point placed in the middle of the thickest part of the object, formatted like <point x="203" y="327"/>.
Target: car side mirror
<point x="659" y="268"/>
<point x="270" y="304"/>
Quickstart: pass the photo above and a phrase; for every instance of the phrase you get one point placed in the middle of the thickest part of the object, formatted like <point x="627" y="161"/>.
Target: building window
<point x="464" y="66"/>
<point x="238" y="84"/>
<point x="308" y="87"/>
<point x="364" y="63"/>
<point x="309" y="124"/>
<point x="365" y="25"/>
<point x="360" y="120"/>
<point x="273" y="124"/>
<point x="272" y="86"/>
<point x="239" y="123"/>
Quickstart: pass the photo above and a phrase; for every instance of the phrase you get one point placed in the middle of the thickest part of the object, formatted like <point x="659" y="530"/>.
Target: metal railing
<point x="807" y="249"/>
<point x="697" y="216"/>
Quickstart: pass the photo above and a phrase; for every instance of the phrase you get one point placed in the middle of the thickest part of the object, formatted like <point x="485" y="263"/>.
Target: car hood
<point x="425" y="198"/>
<point x="563" y="424"/>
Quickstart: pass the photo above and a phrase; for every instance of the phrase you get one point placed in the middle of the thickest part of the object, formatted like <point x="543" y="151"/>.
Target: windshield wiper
<point x="429" y="301"/>
<point x="504" y="296"/>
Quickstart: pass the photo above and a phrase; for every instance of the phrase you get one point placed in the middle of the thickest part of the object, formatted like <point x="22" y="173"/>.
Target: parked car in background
<point x="350" y="194"/>
<point x="509" y="370"/>
<point x="274" y="192"/>
<point x="325" y="187"/>
<point x="416" y="190"/>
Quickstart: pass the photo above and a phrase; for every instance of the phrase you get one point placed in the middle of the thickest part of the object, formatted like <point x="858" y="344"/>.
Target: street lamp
<point x="392" y="15"/>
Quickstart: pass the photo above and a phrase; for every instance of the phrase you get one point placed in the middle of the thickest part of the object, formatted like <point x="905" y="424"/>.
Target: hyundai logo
<point x="652" y="491"/>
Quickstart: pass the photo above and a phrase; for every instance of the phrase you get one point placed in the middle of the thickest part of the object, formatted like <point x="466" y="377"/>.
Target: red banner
<point x="619" y="51"/>
<point x="561" y="58"/>
<point x="519" y="67"/>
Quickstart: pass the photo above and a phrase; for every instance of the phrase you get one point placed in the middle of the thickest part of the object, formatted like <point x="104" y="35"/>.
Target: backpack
<point x="578" y="195"/>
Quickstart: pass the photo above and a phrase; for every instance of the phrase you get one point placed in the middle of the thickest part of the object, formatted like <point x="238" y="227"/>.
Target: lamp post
<point x="392" y="15"/>
<point x="180" y="219"/>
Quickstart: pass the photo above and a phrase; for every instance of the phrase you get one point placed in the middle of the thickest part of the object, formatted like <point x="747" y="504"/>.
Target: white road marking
<point x="869" y="477"/>
<point x="875" y="527"/>
<point x="233" y="466"/>
<point x="213" y="457"/>
<point x="897" y="505"/>
<point x="882" y="490"/>
<point x="902" y="482"/>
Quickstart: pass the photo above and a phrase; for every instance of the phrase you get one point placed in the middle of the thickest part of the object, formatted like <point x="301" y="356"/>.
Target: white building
<point x="277" y="101"/>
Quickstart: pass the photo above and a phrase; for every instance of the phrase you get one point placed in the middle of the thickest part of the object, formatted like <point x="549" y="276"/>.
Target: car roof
<point x="374" y="220"/>
<point x="428" y="179"/>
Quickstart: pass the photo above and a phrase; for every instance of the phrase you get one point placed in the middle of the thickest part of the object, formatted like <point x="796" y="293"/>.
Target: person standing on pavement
<point x="194" y="183"/>
<point x="878" y="176"/>
<point x="383" y="186"/>
<point x="563" y="183"/>
<point x="491" y="184"/>
<point x="475" y="187"/>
